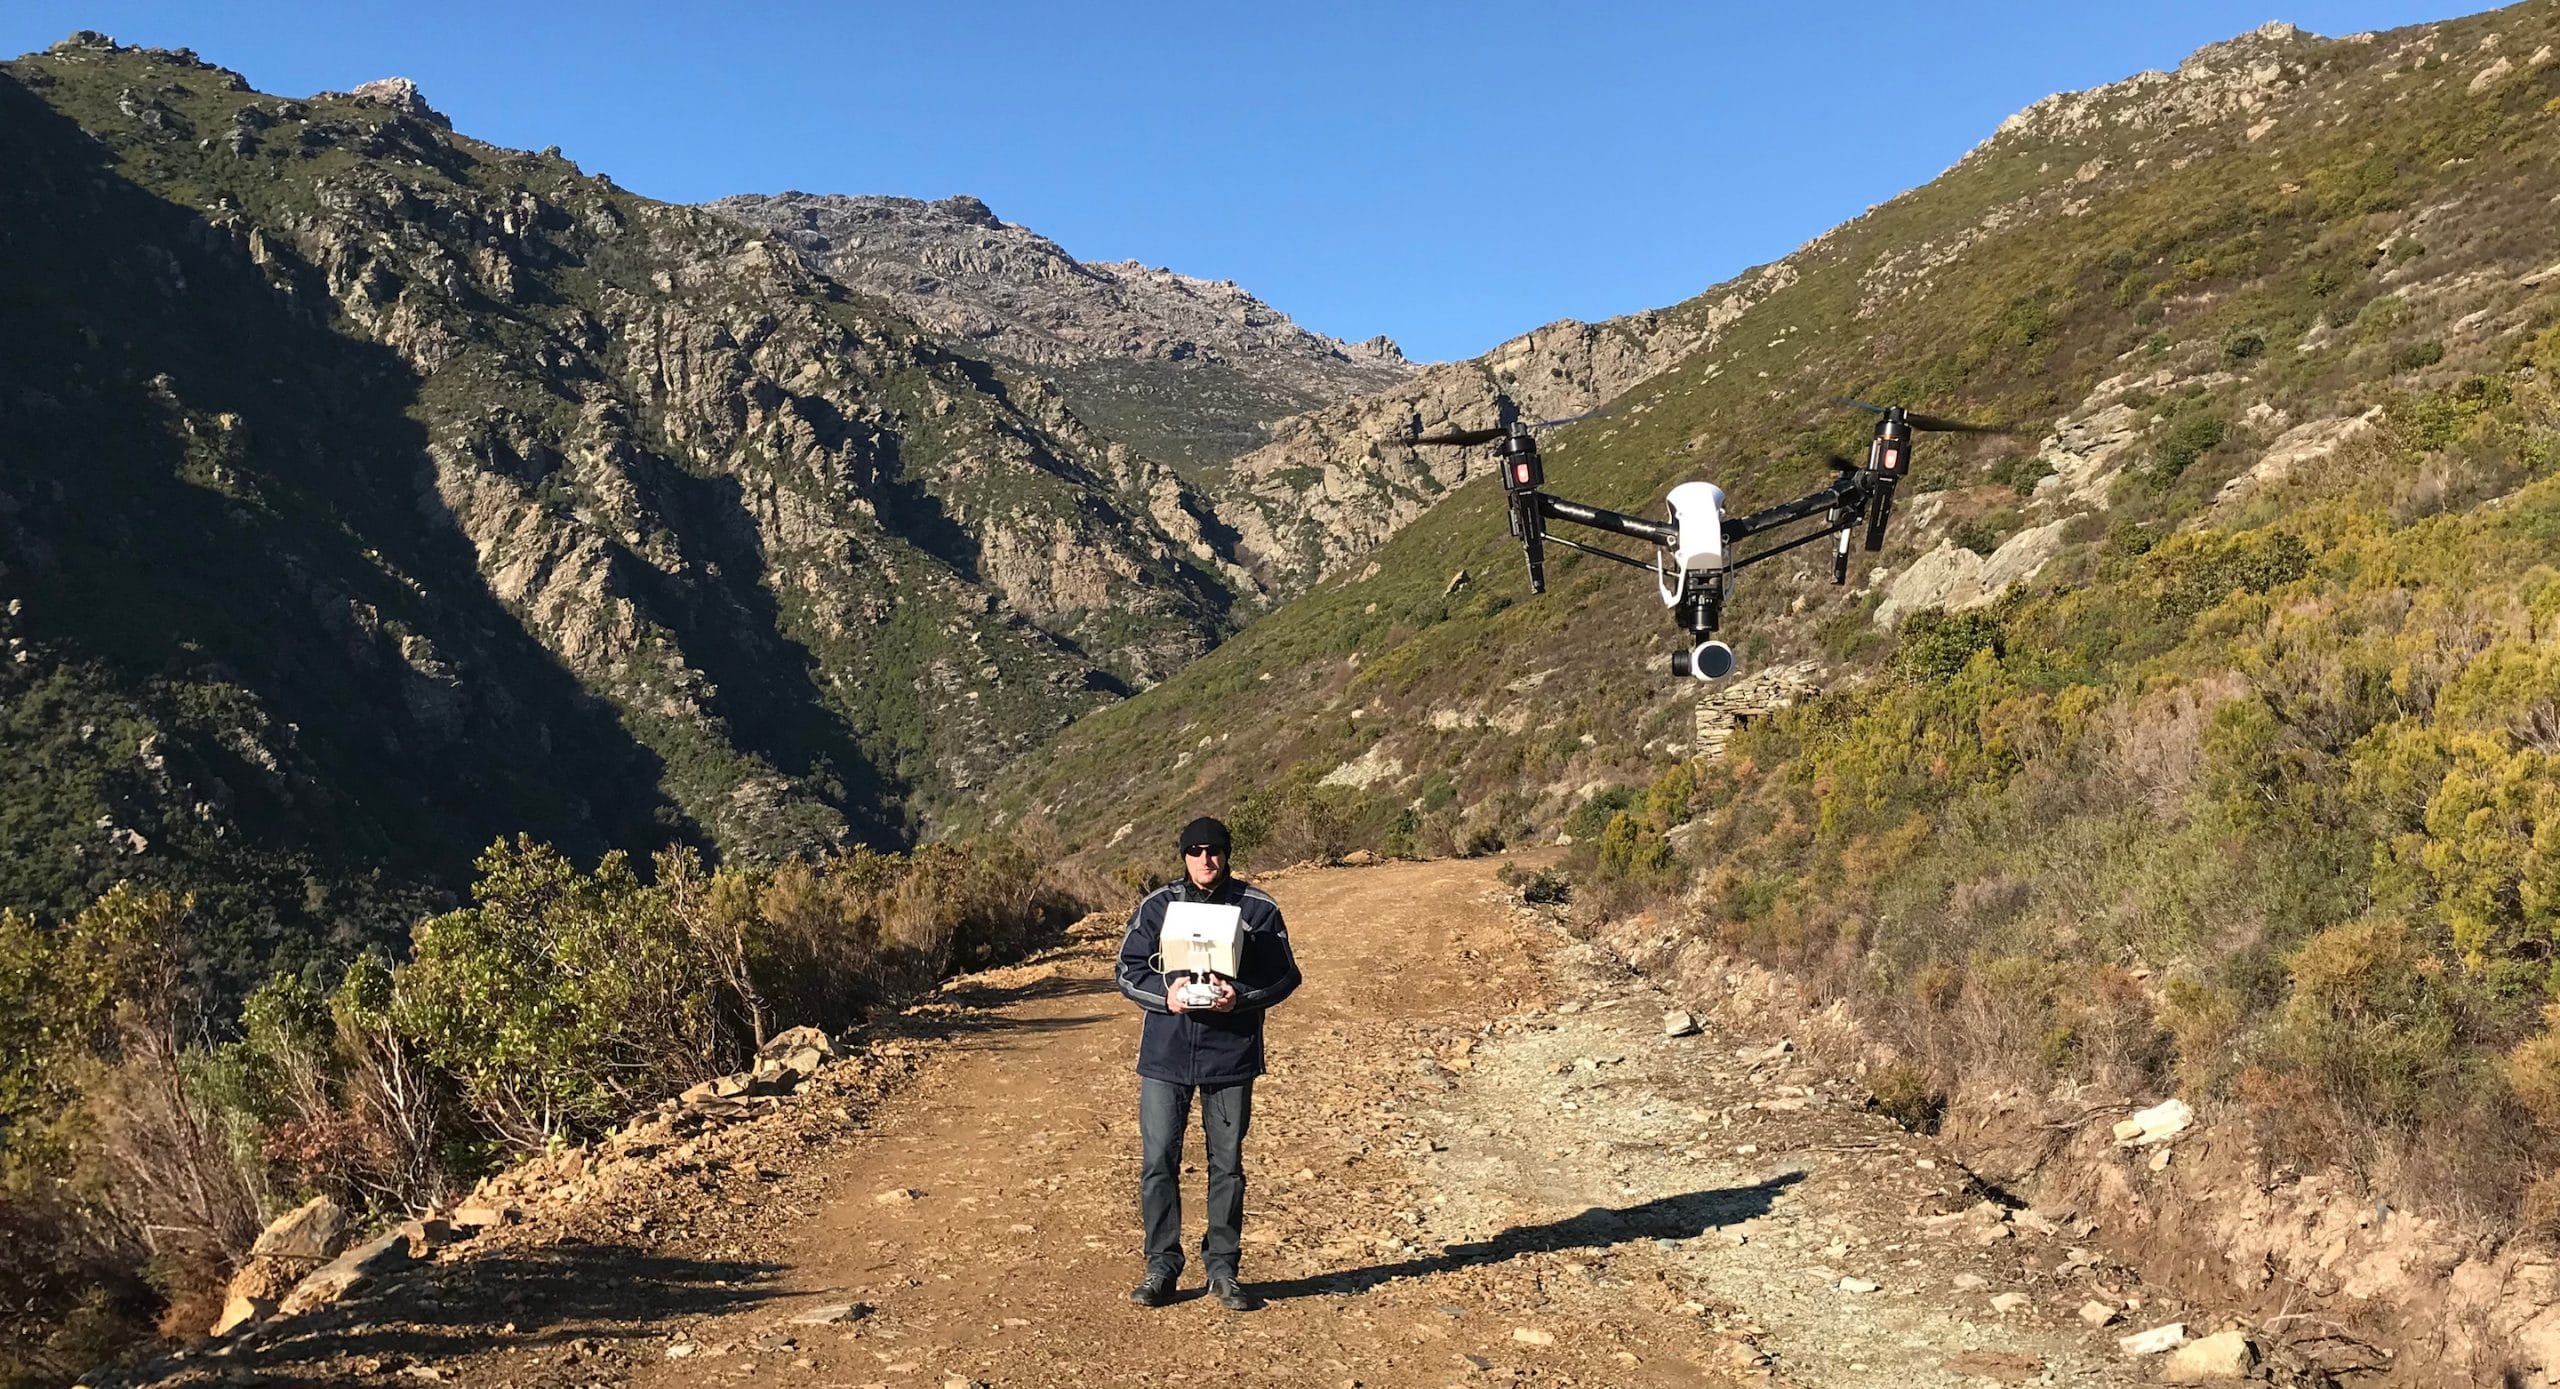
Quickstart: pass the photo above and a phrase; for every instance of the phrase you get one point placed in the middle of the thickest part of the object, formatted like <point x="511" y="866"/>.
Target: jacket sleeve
<point x="1140" y="982"/>
<point x="1270" y="968"/>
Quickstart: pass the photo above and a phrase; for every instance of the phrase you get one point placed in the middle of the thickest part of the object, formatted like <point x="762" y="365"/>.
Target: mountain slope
<point x="372" y="492"/>
<point x="2136" y="243"/>
<point x="1184" y="370"/>
<point x="2194" y="740"/>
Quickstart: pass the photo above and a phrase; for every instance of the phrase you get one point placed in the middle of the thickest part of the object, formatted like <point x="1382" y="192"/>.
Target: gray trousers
<point x="1164" y="1114"/>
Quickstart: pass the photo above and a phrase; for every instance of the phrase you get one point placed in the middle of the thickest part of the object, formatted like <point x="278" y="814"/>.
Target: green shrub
<point x="2021" y="472"/>
<point x="1983" y="534"/>
<point x="1937" y="645"/>
<point x="1586" y="821"/>
<point x="1905" y="1094"/>
<point x="1634" y="855"/>
<point x="560" y="998"/>
<point x="2195" y="570"/>
<point x="2416" y="355"/>
<point x="1667" y="800"/>
<point x="2189" y="436"/>
<point x="1538" y="887"/>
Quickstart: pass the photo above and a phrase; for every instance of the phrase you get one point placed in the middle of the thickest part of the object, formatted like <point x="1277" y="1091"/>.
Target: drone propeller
<point x="1464" y="438"/>
<point x="1932" y="423"/>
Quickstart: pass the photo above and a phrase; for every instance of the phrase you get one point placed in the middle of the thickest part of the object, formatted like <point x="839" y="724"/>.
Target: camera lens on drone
<point x="1709" y="660"/>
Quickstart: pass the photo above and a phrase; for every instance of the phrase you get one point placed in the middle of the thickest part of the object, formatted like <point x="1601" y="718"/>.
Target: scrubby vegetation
<point x="146" y="1133"/>
<point x="2270" y="815"/>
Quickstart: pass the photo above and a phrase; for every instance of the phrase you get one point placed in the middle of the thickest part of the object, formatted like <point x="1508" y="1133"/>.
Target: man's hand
<point x="1173" y="995"/>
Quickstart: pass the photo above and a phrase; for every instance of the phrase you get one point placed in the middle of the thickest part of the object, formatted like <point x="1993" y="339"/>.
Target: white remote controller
<point x="1199" y="993"/>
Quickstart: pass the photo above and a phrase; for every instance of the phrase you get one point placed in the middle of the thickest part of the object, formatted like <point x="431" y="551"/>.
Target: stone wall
<point x="1729" y="707"/>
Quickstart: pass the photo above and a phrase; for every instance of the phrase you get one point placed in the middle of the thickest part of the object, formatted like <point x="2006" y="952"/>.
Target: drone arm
<point x="1628" y="560"/>
<point x="1840" y="496"/>
<point x="1779" y="549"/>
<point x="1603" y="519"/>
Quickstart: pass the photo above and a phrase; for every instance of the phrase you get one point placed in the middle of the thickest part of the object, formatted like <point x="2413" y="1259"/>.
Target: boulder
<point x="240" y="1311"/>
<point x="267" y="1280"/>
<point x="340" y="1275"/>
<point x="483" y="1215"/>
<point x="1678" y="1023"/>
<point x="2086" y="454"/>
<point x="401" y="95"/>
<point x="314" y="1231"/>
<point x="1948" y="577"/>
<point x="2155" y="1340"/>
<point x="2158" y="1124"/>
<point x="792" y="1039"/>
<point x="426" y="1236"/>
<point x="2018" y="559"/>
<point x="2298" y="447"/>
<point x="2225" y="1355"/>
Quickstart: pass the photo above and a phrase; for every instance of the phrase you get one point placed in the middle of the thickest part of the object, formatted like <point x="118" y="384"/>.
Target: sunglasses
<point x="1203" y="851"/>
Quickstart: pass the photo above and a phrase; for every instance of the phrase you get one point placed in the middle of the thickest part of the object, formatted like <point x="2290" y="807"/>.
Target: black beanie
<point x="1206" y="833"/>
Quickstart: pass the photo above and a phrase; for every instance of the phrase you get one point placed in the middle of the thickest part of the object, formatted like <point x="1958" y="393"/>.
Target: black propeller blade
<point x="1932" y="423"/>
<point x="1936" y="425"/>
<point x="1461" y="438"/>
<point x="1465" y="437"/>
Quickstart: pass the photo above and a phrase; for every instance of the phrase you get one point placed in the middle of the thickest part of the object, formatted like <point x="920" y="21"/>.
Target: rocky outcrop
<point x="2298" y="447"/>
<point x="1189" y="370"/>
<point x="2236" y="77"/>
<point x="1954" y="578"/>
<point x="1332" y="484"/>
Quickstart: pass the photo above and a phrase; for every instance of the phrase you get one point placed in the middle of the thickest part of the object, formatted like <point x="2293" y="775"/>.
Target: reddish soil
<point x="1478" y="1157"/>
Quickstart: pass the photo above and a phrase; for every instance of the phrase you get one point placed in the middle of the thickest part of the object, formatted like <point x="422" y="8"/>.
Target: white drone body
<point x="1697" y="514"/>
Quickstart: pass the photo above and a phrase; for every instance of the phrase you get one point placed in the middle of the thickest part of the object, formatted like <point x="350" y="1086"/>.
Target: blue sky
<point x="1449" y="174"/>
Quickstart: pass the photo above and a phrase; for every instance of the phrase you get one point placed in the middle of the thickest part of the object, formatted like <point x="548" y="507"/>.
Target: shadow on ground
<point x="982" y="1011"/>
<point x="551" y="1297"/>
<point x="1686" y="1216"/>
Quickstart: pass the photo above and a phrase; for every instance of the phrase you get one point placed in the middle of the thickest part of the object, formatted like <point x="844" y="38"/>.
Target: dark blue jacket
<point x="1207" y="1048"/>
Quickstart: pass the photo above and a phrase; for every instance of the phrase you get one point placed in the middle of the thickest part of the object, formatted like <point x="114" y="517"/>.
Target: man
<point x="1212" y="1053"/>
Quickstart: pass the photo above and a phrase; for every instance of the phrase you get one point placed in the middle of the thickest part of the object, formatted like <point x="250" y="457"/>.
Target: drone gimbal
<point x="1694" y="559"/>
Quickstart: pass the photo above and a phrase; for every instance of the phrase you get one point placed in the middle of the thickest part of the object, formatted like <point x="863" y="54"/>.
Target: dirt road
<point x="1478" y="1157"/>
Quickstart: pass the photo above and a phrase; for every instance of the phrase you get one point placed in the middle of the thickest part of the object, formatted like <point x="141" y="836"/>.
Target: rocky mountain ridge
<point x="1188" y="370"/>
<point x="1333" y="484"/>
<point x="376" y="491"/>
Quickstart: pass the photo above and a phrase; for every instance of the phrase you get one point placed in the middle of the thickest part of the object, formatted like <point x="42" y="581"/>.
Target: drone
<point x="1696" y="552"/>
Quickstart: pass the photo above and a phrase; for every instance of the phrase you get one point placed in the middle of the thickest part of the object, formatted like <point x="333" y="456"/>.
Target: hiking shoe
<point x="1230" y="1295"/>
<point x="1156" y="1291"/>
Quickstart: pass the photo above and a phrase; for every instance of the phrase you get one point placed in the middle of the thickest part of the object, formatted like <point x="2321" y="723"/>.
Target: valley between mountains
<point x="1480" y="1157"/>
